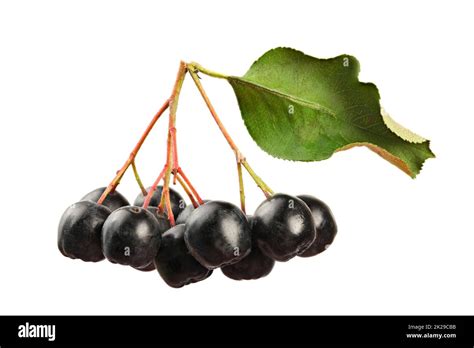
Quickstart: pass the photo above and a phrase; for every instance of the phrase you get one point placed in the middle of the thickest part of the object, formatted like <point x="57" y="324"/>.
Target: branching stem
<point x="191" y="187"/>
<point x="116" y="180"/>
<point x="187" y="190"/>
<point x="171" y="155"/>
<point x="153" y="187"/>
<point x="193" y="67"/>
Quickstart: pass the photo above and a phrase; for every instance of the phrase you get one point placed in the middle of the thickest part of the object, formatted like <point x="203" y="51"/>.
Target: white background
<point x="80" y="80"/>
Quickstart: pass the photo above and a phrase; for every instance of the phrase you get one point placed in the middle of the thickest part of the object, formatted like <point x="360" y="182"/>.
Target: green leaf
<point x="302" y="108"/>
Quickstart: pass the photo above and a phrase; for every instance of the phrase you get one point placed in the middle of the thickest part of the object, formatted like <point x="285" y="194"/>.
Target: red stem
<point x="175" y="153"/>
<point x="187" y="190"/>
<point x="150" y="193"/>
<point x="240" y="159"/>
<point x="191" y="187"/>
<point x="214" y="114"/>
<point x="113" y="184"/>
<point x="170" y="152"/>
<point x="166" y="192"/>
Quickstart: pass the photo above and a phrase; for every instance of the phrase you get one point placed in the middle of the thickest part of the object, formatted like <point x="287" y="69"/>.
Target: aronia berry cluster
<point x="185" y="243"/>
<point x="216" y="234"/>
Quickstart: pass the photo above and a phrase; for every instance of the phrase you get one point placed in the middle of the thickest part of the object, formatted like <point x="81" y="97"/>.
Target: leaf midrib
<point x="303" y="102"/>
<point x="280" y="94"/>
<point x="321" y="108"/>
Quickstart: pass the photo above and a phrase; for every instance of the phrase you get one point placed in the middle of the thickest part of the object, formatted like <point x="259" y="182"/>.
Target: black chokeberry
<point x="217" y="234"/>
<point x="177" y="201"/>
<point x="174" y="262"/>
<point x="79" y="232"/>
<point x="326" y="227"/>
<point x="131" y="236"/>
<point x="164" y="225"/>
<point x="283" y="226"/>
<point x="254" y="266"/>
<point x="113" y="201"/>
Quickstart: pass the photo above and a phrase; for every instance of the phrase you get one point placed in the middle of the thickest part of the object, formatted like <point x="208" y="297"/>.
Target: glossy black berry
<point x="113" y="201"/>
<point x="326" y="228"/>
<point x="177" y="202"/>
<point x="131" y="236"/>
<point x="175" y="264"/>
<point x="79" y="232"/>
<point x="186" y="213"/>
<point x="283" y="226"/>
<point x="254" y="266"/>
<point x="217" y="234"/>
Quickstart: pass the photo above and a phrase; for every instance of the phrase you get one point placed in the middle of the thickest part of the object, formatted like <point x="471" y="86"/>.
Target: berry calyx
<point x="162" y="218"/>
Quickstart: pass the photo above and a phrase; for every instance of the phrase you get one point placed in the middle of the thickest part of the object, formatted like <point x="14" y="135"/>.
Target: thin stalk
<point x="137" y="178"/>
<point x="194" y="67"/>
<point x="260" y="183"/>
<point x="175" y="153"/>
<point x="165" y="193"/>
<point x="165" y="196"/>
<point x="153" y="187"/>
<point x="214" y="113"/>
<point x="116" y="180"/>
<point x="191" y="187"/>
<point x="241" y="186"/>
<point x="187" y="190"/>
